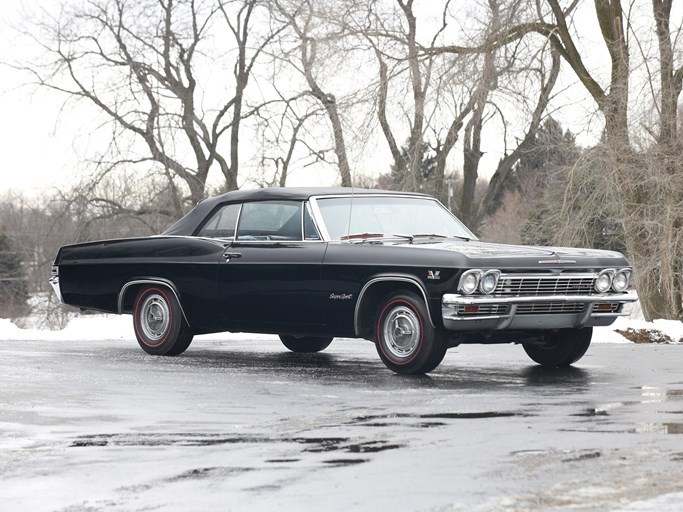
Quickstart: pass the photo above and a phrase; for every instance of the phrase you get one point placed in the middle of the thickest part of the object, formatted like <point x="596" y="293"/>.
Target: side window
<point x="270" y="220"/>
<point x="310" y="231"/>
<point x="222" y="223"/>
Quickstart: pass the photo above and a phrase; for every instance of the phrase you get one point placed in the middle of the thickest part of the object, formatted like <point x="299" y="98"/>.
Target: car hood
<point x="482" y="249"/>
<point x="474" y="253"/>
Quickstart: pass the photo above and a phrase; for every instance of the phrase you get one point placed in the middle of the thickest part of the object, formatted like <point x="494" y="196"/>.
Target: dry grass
<point x="646" y="336"/>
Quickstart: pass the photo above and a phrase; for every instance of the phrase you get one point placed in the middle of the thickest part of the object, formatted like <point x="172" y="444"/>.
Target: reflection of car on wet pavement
<point x="312" y="264"/>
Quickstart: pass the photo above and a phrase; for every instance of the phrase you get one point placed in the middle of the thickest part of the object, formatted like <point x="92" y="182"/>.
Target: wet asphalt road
<point x="245" y="425"/>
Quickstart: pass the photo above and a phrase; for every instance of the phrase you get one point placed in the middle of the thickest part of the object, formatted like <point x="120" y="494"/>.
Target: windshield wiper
<point x="429" y="235"/>
<point x="361" y="236"/>
<point x="407" y="237"/>
<point x="436" y="235"/>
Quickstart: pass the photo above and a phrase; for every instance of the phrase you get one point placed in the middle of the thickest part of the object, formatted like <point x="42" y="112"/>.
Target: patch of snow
<point x="665" y="503"/>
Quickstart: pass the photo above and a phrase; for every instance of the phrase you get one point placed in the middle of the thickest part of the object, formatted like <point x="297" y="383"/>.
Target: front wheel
<point x="406" y="341"/>
<point x="560" y="348"/>
<point x="160" y="327"/>
<point x="305" y="344"/>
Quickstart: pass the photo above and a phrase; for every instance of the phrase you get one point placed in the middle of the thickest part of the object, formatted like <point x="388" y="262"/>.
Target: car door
<point x="269" y="279"/>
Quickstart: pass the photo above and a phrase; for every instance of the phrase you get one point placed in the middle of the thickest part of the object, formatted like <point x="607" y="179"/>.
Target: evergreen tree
<point x="552" y="150"/>
<point x="427" y="167"/>
<point x="13" y="289"/>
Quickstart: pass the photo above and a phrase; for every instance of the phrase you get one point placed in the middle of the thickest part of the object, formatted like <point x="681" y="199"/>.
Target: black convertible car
<point x="311" y="264"/>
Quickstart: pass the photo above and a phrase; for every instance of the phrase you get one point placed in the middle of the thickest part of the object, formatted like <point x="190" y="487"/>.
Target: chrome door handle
<point x="230" y="255"/>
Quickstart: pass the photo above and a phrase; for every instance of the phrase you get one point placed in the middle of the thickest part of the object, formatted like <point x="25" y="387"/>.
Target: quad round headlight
<point x="469" y="282"/>
<point x="603" y="282"/>
<point x="621" y="280"/>
<point x="489" y="281"/>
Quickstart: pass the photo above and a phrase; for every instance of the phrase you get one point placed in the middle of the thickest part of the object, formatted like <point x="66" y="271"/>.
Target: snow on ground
<point x="120" y="327"/>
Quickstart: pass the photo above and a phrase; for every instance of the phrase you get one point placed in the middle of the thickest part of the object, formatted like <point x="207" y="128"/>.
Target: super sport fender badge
<point x="341" y="296"/>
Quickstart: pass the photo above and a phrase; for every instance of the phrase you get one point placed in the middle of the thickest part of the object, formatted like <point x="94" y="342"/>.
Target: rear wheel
<point x="160" y="327"/>
<point x="305" y="344"/>
<point x="560" y="348"/>
<point x="405" y="339"/>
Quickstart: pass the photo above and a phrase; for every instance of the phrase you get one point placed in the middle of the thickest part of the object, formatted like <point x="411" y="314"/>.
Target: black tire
<point x="404" y="337"/>
<point x="560" y="348"/>
<point x="160" y="326"/>
<point x="305" y="344"/>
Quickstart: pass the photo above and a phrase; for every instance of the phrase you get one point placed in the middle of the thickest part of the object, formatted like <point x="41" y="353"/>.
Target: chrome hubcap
<point x="402" y="332"/>
<point x="155" y="317"/>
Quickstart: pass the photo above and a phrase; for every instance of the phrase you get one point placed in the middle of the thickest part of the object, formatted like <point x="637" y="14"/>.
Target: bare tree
<point x="282" y="127"/>
<point x="392" y="37"/>
<point x="499" y="179"/>
<point x="305" y="22"/>
<point x="140" y="65"/>
<point x="500" y="56"/>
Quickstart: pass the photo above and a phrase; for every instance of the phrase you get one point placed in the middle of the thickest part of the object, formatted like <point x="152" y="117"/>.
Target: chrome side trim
<point x="318" y="219"/>
<point x="237" y="221"/>
<point x="404" y="279"/>
<point x="235" y="243"/>
<point x="307" y="206"/>
<point x="152" y="280"/>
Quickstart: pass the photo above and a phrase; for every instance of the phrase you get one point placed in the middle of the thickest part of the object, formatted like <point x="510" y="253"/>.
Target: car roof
<point x="189" y="223"/>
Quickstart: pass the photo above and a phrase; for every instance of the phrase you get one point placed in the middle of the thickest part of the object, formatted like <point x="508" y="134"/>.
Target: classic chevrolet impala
<point x="397" y="269"/>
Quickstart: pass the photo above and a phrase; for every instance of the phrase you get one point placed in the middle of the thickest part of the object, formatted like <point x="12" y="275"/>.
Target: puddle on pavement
<point x="583" y="456"/>
<point x="344" y="462"/>
<point x="372" y="447"/>
<point x="214" y="472"/>
<point x="469" y="415"/>
<point x="591" y="412"/>
<point x="660" y="428"/>
<point x="158" y="439"/>
<point x="655" y="394"/>
<point x="604" y="409"/>
<point x="567" y="455"/>
<point x="320" y="444"/>
<point x="650" y="395"/>
<point x="378" y="420"/>
<point x="310" y="445"/>
<point x="342" y="444"/>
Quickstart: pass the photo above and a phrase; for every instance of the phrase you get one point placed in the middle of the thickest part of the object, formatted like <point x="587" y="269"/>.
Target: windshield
<point x="376" y="216"/>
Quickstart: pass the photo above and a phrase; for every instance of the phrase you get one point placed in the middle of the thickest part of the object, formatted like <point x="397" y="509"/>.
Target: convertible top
<point x="188" y="224"/>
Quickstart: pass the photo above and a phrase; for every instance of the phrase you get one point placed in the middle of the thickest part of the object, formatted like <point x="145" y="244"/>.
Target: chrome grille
<point x="550" y="308"/>
<point x="525" y="285"/>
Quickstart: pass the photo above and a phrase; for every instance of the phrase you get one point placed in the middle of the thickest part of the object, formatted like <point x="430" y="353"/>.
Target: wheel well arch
<point x="126" y="299"/>
<point x="374" y="290"/>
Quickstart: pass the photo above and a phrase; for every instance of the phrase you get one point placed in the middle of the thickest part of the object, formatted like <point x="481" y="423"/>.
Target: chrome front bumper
<point x="475" y="313"/>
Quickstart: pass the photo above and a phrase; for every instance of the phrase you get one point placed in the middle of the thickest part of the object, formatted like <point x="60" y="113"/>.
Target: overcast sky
<point x="37" y="142"/>
<point x="43" y="144"/>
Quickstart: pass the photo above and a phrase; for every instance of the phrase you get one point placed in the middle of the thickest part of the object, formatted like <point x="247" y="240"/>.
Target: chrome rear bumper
<point x="54" y="282"/>
<point x="468" y="312"/>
